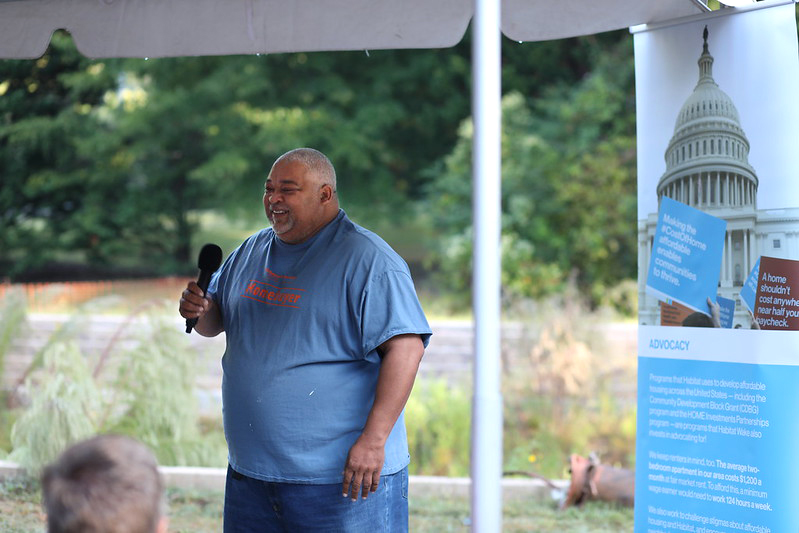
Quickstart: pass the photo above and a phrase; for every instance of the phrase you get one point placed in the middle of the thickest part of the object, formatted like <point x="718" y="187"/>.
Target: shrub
<point x="560" y="396"/>
<point x="146" y="391"/>
<point x="563" y="394"/>
<point x="438" y="421"/>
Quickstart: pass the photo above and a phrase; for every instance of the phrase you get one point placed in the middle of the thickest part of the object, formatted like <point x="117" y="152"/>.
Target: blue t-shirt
<point x="302" y="324"/>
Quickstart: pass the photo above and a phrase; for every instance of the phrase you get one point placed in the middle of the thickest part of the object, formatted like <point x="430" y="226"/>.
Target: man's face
<point x="294" y="202"/>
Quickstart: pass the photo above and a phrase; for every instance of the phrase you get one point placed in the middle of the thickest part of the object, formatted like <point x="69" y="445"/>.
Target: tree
<point x="568" y="191"/>
<point x="136" y="151"/>
<point x="46" y="118"/>
<point x="208" y="128"/>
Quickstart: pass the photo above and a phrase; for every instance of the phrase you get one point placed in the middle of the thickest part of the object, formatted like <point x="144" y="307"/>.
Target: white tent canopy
<point x="157" y="28"/>
<point x="542" y="20"/>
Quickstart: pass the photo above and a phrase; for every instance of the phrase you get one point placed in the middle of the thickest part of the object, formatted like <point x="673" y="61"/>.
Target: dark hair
<point x="106" y="484"/>
<point x="698" y="320"/>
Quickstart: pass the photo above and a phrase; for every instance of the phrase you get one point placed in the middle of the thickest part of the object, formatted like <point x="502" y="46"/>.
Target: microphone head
<point x="210" y="258"/>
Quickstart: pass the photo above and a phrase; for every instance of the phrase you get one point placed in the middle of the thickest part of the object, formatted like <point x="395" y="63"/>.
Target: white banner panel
<point x="717" y="132"/>
<point x="743" y="166"/>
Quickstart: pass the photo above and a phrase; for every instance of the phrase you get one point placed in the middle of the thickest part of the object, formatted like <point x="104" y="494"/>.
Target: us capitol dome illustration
<point x="707" y="168"/>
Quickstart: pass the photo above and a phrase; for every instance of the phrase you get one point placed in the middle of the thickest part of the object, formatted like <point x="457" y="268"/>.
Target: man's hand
<point x="363" y="467"/>
<point x="194" y="304"/>
<point x="715" y="312"/>
<point x="400" y="360"/>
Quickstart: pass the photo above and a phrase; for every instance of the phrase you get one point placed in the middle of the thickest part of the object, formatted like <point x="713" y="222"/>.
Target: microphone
<point x="208" y="261"/>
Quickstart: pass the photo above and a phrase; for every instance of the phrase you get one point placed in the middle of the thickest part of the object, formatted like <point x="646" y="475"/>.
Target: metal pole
<point x="486" y="453"/>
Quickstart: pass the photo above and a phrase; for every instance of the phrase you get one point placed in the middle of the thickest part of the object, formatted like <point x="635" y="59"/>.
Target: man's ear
<point x="326" y="193"/>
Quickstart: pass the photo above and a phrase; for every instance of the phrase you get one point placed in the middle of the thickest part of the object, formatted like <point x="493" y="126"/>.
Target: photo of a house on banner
<point x="708" y="168"/>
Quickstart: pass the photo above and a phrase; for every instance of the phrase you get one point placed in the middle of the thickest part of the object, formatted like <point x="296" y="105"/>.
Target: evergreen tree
<point x="46" y="119"/>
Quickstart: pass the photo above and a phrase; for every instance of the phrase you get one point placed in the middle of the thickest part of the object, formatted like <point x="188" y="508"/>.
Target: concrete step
<point x="450" y="354"/>
<point x="200" y="478"/>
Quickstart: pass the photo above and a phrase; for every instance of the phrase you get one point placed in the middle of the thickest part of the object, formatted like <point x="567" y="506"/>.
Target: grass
<point x="452" y="514"/>
<point x="20" y="507"/>
<point x="201" y="511"/>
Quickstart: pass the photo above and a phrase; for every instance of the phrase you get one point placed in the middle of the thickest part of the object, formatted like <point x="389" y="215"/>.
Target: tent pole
<point x="486" y="452"/>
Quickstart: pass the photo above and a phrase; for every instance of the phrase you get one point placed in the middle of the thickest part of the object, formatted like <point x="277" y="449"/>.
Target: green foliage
<point x="207" y="129"/>
<point x="153" y="398"/>
<point x="621" y="298"/>
<point x="146" y="391"/>
<point x="13" y="322"/>
<point x="438" y="421"/>
<point x="45" y="119"/>
<point x="13" y="315"/>
<point x="562" y="397"/>
<point x="114" y="162"/>
<point x="568" y="190"/>
<point x="559" y="397"/>
<point x="63" y="408"/>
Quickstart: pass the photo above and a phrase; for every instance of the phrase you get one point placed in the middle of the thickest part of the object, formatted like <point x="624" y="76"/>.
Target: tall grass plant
<point x="565" y="390"/>
<point x="143" y="388"/>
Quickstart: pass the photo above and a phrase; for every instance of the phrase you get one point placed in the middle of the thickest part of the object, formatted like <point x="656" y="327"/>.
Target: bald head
<point x="316" y="162"/>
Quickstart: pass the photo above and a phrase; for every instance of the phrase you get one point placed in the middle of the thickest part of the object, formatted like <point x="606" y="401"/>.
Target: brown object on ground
<point x="591" y="480"/>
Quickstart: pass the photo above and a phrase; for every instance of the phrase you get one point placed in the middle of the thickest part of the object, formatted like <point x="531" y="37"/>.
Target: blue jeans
<point x="255" y="506"/>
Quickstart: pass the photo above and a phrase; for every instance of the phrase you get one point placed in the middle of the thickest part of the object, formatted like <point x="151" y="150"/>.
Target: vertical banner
<point x="718" y="273"/>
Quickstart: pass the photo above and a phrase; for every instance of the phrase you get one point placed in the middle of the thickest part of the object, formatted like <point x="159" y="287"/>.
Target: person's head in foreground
<point x="105" y="484"/>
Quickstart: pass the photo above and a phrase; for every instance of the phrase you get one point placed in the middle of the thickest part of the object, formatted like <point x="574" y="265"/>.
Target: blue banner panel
<point x="716" y="439"/>
<point x="686" y="255"/>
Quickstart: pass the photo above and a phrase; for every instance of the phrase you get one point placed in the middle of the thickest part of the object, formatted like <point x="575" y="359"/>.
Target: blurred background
<point x="115" y="173"/>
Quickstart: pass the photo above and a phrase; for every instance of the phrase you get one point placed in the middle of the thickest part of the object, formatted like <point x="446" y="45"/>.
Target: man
<point x="324" y="337"/>
<point x="106" y="484"/>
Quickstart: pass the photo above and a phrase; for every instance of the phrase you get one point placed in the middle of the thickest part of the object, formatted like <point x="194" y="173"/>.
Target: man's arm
<point x="401" y="356"/>
<point x="194" y="305"/>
